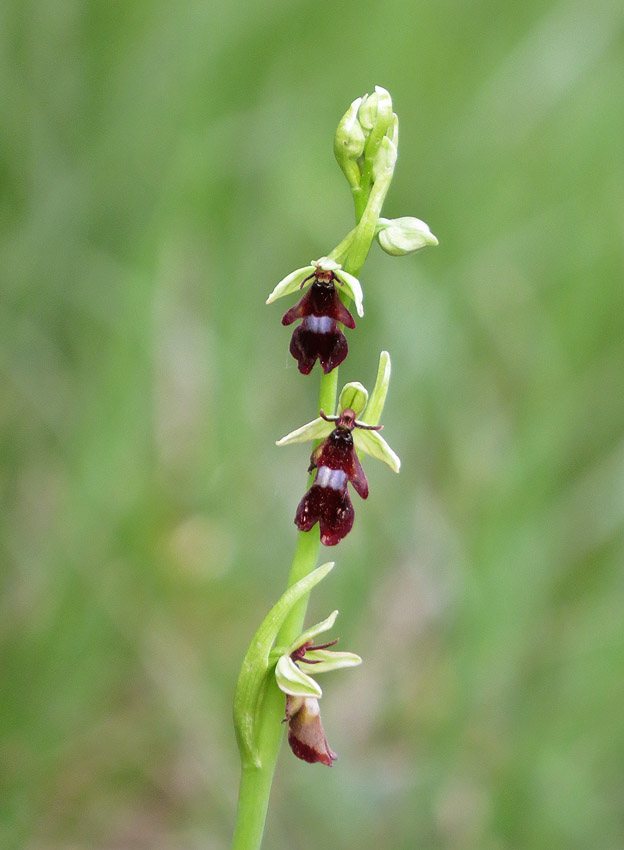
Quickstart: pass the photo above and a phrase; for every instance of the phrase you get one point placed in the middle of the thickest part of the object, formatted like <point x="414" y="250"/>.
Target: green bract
<point x="253" y="676"/>
<point x="292" y="680"/>
<point x="293" y="281"/>
<point x="369" y="442"/>
<point x="404" y="235"/>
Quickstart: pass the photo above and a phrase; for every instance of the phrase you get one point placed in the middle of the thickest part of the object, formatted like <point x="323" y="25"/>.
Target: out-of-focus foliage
<point x="162" y="166"/>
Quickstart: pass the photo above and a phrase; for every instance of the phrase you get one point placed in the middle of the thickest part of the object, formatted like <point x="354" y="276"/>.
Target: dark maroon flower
<point x="318" y="336"/>
<point x="305" y="731"/>
<point x="327" y="501"/>
<point x="306" y="735"/>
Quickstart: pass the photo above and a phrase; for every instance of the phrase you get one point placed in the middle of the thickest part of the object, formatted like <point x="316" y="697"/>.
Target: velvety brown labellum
<point x="327" y="501"/>
<point x="318" y="336"/>
<point x="306" y="735"/>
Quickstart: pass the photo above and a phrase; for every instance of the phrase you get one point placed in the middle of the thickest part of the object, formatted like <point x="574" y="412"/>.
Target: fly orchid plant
<point x="276" y="684"/>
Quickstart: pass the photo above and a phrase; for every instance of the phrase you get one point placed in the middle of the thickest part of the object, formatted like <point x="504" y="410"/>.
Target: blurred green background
<point x="162" y="166"/>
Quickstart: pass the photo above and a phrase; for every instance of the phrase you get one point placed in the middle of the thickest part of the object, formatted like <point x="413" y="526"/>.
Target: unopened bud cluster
<point x="359" y="143"/>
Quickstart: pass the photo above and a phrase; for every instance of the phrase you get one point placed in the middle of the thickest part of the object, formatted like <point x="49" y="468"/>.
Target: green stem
<point x="253" y="800"/>
<point x="342" y="249"/>
<point x="255" y="784"/>
<point x="365" y="230"/>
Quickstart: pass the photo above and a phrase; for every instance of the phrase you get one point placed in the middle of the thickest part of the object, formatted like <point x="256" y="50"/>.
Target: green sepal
<point x="318" y="429"/>
<point x="256" y="664"/>
<point x="355" y="396"/>
<point x="324" y="626"/>
<point x="291" y="283"/>
<point x="377" y="400"/>
<point x="373" y="444"/>
<point x="354" y="288"/>
<point x="291" y="680"/>
<point x="328" y="660"/>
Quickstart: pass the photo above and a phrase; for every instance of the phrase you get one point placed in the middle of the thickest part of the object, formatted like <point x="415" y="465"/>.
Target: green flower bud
<point x="385" y="159"/>
<point x="349" y="138"/>
<point x="404" y="235"/>
<point x="393" y="130"/>
<point x="355" y="396"/>
<point x="375" y="107"/>
<point x="367" y="112"/>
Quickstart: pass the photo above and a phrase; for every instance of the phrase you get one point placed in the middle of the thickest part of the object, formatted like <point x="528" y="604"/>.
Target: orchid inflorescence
<point x="367" y="156"/>
<point x="365" y="146"/>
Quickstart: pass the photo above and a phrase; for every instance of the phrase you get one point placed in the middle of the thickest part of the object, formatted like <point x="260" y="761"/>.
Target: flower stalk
<point x="281" y="660"/>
